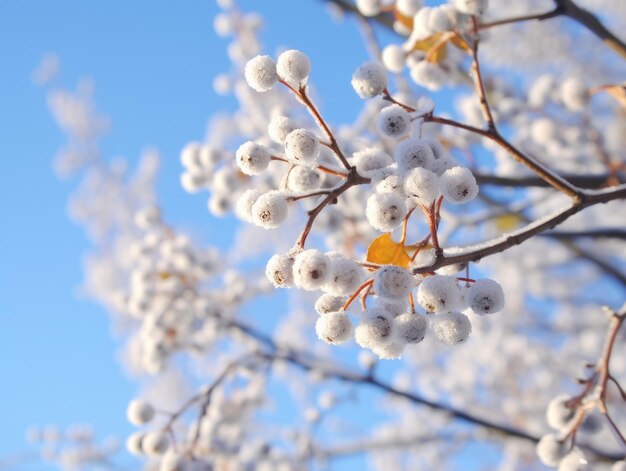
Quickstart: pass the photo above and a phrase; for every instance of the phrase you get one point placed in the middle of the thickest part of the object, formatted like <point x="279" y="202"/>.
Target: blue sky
<point x="153" y="64"/>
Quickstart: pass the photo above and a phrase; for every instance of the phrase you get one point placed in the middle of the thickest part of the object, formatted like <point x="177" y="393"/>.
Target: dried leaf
<point x="384" y="251"/>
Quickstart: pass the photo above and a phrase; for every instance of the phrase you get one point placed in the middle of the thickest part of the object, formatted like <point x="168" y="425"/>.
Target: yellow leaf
<point x="384" y="251"/>
<point x="507" y="222"/>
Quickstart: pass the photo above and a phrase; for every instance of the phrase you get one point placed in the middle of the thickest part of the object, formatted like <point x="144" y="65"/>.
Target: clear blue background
<point x="153" y="64"/>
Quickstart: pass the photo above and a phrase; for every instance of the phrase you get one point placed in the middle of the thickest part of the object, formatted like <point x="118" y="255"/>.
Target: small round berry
<point x="302" y="146"/>
<point x="219" y="204"/>
<point x="575" y="460"/>
<point x="345" y="277"/>
<point x="413" y="153"/>
<point x="271" y="209"/>
<point x="155" y="443"/>
<point x="369" y="7"/>
<point x="391" y="184"/>
<point x="574" y="94"/>
<point x="369" y="80"/>
<point x="279" y="128"/>
<point x="408" y="8"/>
<point x="393" y="282"/>
<point x="252" y="158"/>
<point x="302" y="179"/>
<point x="550" y="450"/>
<point x="190" y="155"/>
<point x="369" y="160"/>
<point x="451" y="328"/>
<point x="327" y="303"/>
<point x="558" y="412"/>
<point x="438" y="293"/>
<point x="311" y="269"/>
<point x="393" y="57"/>
<point x="422" y="185"/>
<point x="428" y="75"/>
<point x="260" y="73"/>
<point x="385" y="211"/>
<point x="410" y="328"/>
<point x="394" y="122"/>
<point x="243" y="207"/>
<point x="471" y="7"/>
<point x="334" y="328"/>
<point x="485" y="297"/>
<point x="134" y="443"/>
<point x="139" y="412"/>
<point x="279" y="270"/>
<point x="293" y="66"/>
<point x="390" y="351"/>
<point x="375" y="328"/>
<point x="458" y="185"/>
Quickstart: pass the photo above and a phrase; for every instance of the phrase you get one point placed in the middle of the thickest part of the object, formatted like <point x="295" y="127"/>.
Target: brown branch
<point x="520" y="19"/>
<point x="592" y="234"/>
<point x="353" y="179"/>
<point x="581" y="181"/>
<point x="475" y="253"/>
<point x="592" y="23"/>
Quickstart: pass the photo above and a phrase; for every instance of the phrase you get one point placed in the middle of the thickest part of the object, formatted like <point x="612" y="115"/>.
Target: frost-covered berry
<point x="440" y="293"/>
<point x="574" y="94"/>
<point x="428" y="75"/>
<point x="410" y="328"/>
<point x="390" y="351"/>
<point x="408" y="8"/>
<point x="133" y="443"/>
<point x="334" y="328"/>
<point x="394" y="122"/>
<point x="471" y="7"/>
<point x="369" y="80"/>
<point x="345" y="277"/>
<point x="139" y="412"/>
<point x="311" y="269"/>
<point x="558" y="414"/>
<point x="302" y="146"/>
<point x="155" y="443"/>
<point x="302" y="179"/>
<point x="260" y="73"/>
<point x="190" y="155"/>
<point x="393" y="282"/>
<point x="243" y="208"/>
<point x="422" y="185"/>
<point x="385" y="211"/>
<point x="173" y="461"/>
<point x="393" y="57"/>
<point x="293" y="66"/>
<point x="279" y="270"/>
<point x="485" y="297"/>
<point x="369" y="160"/>
<point x="369" y="7"/>
<point x="219" y="204"/>
<point x="451" y="328"/>
<point x="413" y="153"/>
<point x="443" y="160"/>
<point x="252" y="158"/>
<point x="458" y="185"/>
<point x="279" y="127"/>
<point x="575" y="460"/>
<point x="390" y="184"/>
<point x="329" y="303"/>
<point x="375" y="328"/>
<point x="270" y="209"/>
<point x="550" y="451"/>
